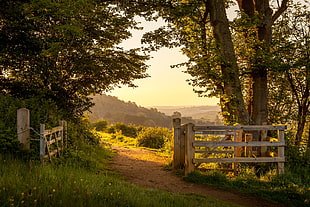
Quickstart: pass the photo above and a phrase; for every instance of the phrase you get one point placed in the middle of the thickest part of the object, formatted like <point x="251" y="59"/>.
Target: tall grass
<point x="81" y="178"/>
<point x="287" y="188"/>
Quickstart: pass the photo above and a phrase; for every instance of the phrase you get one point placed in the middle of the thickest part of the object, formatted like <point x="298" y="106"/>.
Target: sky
<point x="166" y="86"/>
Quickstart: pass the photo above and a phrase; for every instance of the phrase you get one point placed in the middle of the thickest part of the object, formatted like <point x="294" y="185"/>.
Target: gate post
<point x="42" y="141"/>
<point x="64" y="140"/>
<point x="281" y="152"/>
<point x="189" y="148"/>
<point x="176" y="126"/>
<point x="23" y="127"/>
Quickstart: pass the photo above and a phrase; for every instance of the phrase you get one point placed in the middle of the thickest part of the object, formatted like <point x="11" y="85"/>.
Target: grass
<point x="81" y="178"/>
<point x="283" y="189"/>
<point x="292" y="188"/>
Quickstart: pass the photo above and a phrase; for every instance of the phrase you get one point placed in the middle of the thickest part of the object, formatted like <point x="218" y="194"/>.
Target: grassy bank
<point x="80" y="178"/>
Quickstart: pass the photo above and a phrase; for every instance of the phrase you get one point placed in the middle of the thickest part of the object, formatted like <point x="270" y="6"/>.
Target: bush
<point x="41" y="111"/>
<point x="154" y="137"/>
<point x="126" y="130"/>
<point x="100" y="125"/>
<point x="79" y="132"/>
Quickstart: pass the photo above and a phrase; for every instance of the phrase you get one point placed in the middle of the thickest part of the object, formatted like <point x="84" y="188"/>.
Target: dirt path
<point x="145" y="168"/>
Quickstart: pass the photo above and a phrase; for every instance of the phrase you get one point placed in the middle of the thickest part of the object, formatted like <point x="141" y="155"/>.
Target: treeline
<point x="114" y="110"/>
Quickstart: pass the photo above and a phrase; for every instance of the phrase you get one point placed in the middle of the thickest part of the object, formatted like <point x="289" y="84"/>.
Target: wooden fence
<point x="236" y="140"/>
<point x="51" y="141"/>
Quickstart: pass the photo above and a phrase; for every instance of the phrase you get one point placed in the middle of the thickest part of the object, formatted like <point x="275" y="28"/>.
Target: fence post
<point x="281" y="152"/>
<point x="263" y="135"/>
<point x="176" y="125"/>
<point x="189" y="148"/>
<point x="23" y="127"/>
<point x="182" y="147"/>
<point x="63" y="133"/>
<point x="42" y="141"/>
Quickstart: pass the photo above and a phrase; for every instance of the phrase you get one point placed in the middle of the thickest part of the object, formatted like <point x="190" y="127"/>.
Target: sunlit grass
<point x="81" y="178"/>
<point x="118" y="139"/>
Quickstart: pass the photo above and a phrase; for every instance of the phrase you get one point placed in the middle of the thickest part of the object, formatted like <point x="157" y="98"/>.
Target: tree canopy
<point x="66" y="50"/>
<point x="238" y="60"/>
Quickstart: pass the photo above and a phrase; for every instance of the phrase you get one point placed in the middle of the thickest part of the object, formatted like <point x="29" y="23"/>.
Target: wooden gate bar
<point x="241" y="127"/>
<point x="237" y="143"/>
<point x="241" y="160"/>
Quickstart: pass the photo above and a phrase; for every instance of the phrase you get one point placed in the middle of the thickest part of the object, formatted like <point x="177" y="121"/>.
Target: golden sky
<point x="166" y="86"/>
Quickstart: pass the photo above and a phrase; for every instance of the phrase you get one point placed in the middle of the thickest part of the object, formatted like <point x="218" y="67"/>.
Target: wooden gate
<point x="236" y="139"/>
<point x="52" y="141"/>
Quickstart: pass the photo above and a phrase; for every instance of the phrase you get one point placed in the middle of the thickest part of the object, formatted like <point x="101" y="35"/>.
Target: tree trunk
<point x="308" y="145"/>
<point x="259" y="89"/>
<point x="232" y="100"/>
<point x="302" y="117"/>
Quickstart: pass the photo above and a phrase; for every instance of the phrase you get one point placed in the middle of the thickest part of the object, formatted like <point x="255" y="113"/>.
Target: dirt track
<point x="145" y="168"/>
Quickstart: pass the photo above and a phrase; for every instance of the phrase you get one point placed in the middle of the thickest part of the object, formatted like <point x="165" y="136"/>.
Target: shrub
<point x="42" y="110"/>
<point x="127" y="130"/>
<point x="100" y="125"/>
<point x="79" y="131"/>
<point x="154" y="137"/>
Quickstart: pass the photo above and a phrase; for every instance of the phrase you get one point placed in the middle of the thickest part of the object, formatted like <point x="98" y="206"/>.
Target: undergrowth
<point x="285" y="188"/>
<point x="80" y="178"/>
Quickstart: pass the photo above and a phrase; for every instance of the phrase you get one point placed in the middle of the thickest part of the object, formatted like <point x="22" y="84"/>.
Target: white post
<point x="23" y="127"/>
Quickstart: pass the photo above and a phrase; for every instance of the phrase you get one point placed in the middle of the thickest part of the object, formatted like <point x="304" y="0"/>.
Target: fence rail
<point x="236" y="139"/>
<point x="52" y="141"/>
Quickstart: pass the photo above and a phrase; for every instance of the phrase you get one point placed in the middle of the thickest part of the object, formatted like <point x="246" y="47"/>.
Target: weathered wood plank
<point x="214" y="152"/>
<point x="218" y="132"/>
<point x="23" y="127"/>
<point x="189" y="149"/>
<point x="52" y="131"/>
<point x="240" y="160"/>
<point x="176" y="126"/>
<point x="52" y="141"/>
<point x="236" y="144"/>
<point x="281" y="152"/>
<point x="241" y="127"/>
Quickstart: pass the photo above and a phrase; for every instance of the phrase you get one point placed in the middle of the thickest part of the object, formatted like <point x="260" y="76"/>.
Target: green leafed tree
<point x="290" y="88"/>
<point x="65" y="50"/>
<point x="218" y="68"/>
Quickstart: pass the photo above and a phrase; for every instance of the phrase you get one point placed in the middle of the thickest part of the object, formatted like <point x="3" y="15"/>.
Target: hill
<point x="208" y="113"/>
<point x="113" y="110"/>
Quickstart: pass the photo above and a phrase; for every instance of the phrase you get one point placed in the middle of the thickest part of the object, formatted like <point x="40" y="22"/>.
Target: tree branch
<point x="282" y="8"/>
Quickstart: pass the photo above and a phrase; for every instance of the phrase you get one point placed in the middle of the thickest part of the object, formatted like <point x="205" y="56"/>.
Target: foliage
<point x="284" y="189"/>
<point x="127" y="130"/>
<point x="41" y="111"/>
<point x="289" y="97"/>
<point x="100" y="125"/>
<point x="154" y="137"/>
<point x="80" y="132"/>
<point x="82" y="179"/>
<point x="65" y="51"/>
